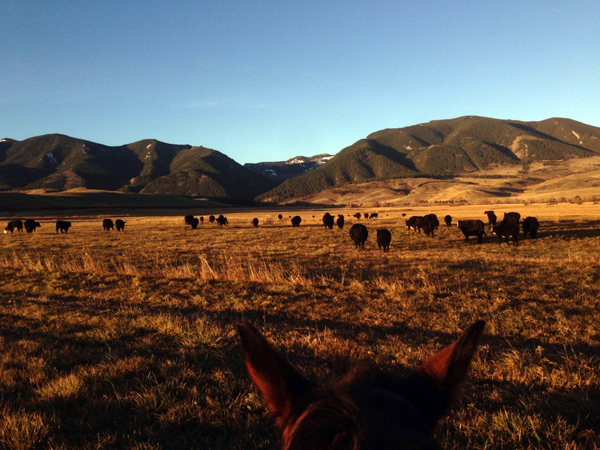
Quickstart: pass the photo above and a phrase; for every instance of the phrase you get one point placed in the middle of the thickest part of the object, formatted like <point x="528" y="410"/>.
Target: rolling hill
<point x="445" y="147"/>
<point x="58" y="162"/>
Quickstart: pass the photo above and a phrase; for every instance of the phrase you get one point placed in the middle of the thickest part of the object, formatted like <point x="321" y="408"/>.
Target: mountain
<point x="59" y="162"/>
<point x="293" y="167"/>
<point x="445" y="147"/>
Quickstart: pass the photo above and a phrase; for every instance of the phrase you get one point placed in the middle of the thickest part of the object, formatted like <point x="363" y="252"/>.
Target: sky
<point x="268" y="80"/>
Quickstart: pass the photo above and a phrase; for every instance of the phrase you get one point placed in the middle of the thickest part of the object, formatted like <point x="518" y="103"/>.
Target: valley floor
<point x="127" y="339"/>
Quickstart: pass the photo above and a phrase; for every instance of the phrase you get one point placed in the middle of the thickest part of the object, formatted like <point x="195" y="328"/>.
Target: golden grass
<point x="127" y="339"/>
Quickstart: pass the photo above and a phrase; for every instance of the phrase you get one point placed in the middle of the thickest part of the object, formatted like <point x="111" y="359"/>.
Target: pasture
<point x="128" y="339"/>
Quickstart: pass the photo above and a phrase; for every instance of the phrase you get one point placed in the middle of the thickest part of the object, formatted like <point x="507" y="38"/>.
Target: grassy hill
<point x="445" y="147"/>
<point x="58" y="163"/>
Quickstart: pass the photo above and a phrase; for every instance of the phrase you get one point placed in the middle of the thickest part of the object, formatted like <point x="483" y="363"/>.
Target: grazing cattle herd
<point x="509" y="228"/>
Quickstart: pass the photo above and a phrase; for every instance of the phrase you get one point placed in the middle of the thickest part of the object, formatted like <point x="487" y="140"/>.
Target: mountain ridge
<point x="448" y="147"/>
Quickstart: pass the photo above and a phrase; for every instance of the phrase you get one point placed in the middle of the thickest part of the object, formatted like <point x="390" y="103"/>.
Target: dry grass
<point x="127" y="339"/>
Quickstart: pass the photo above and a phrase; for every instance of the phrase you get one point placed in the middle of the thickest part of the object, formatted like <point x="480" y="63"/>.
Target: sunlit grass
<point x="127" y="339"/>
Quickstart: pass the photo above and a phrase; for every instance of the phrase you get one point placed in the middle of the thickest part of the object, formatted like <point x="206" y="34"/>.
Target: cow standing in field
<point x="374" y="216"/>
<point x="14" y="225"/>
<point x="328" y="221"/>
<point x="201" y="219"/>
<point x="194" y="223"/>
<point x="340" y="221"/>
<point x="211" y="219"/>
<point x="366" y="409"/>
<point x="31" y="225"/>
<point x="414" y="223"/>
<point x="506" y="229"/>
<point x="472" y="228"/>
<point x="359" y="234"/>
<point x="222" y="220"/>
<point x="255" y="222"/>
<point x="448" y="220"/>
<point x="531" y="226"/>
<point x="188" y="219"/>
<point x="357" y="215"/>
<point x="280" y="216"/>
<point x="512" y="217"/>
<point x="296" y="221"/>
<point x="384" y="237"/>
<point x="62" y="226"/>
<point x="107" y="224"/>
<point x="120" y="225"/>
<point x="492" y="218"/>
<point x="430" y="224"/>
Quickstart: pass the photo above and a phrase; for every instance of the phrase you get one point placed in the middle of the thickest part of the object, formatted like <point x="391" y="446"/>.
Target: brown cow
<point x="62" y="226"/>
<point x="506" y="229"/>
<point x="108" y="224"/>
<point x="472" y="228"/>
<point x="359" y="234"/>
<point x="120" y="225"/>
<point x="367" y="408"/>
<point x="492" y="218"/>
<point x="31" y="225"/>
<point x="531" y="226"/>
<point x="384" y="237"/>
<point x="14" y="225"/>
<point x="414" y="223"/>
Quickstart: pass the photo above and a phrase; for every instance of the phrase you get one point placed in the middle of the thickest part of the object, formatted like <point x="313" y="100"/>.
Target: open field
<point x="127" y="339"/>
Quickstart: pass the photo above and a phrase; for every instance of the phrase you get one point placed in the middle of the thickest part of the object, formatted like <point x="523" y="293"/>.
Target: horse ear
<point x="445" y="372"/>
<point x="279" y="383"/>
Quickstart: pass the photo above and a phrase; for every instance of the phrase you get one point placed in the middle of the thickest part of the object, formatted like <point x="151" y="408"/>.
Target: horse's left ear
<point x="279" y="383"/>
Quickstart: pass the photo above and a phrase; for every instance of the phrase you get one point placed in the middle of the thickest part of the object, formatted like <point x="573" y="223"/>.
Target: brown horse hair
<point x="367" y="408"/>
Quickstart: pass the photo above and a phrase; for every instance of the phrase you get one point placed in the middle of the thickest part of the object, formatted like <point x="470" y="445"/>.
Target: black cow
<point x="357" y="215"/>
<point x="201" y="219"/>
<point x="448" y="220"/>
<point x="506" y="229"/>
<point x="280" y="216"/>
<point x="222" y="220"/>
<point x="296" y="221"/>
<point x="31" y="225"/>
<point x="328" y="221"/>
<point x="188" y="219"/>
<point x="512" y="217"/>
<point x="531" y="226"/>
<point x="107" y="224"/>
<point x="62" y="226"/>
<point x="414" y="223"/>
<point x="194" y="223"/>
<point x="384" y="237"/>
<point x="120" y="224"/>
<point x="14" y="225"/>
<point x="340" y="221"/>
<point x="492" y="218"/>
<point x="472" y="228"/>
<point x="373" y="216"/>
<point x="366" y="215"/>
<point x="255" y="222"/>
<point x="359" y="234"/>
<point x="211" y="219"/>
<point x="430" y="224"/>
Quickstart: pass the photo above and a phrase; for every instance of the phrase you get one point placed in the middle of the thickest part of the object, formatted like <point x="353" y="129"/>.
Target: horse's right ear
<point x="438" y="380"/>
<point x="279" y="383"/>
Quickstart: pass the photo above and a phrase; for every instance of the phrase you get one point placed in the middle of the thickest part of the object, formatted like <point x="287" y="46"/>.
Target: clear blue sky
<point x="268" y="80"/>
